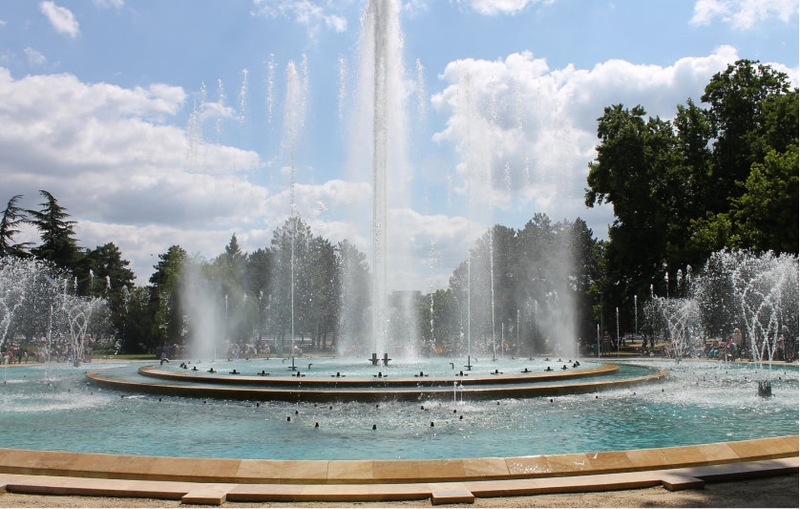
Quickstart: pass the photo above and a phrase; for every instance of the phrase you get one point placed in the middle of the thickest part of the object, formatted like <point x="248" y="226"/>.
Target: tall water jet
<point x="204" y="309"/>
<point x="294" y="120"/>
<point x="380" y="118"/>
<point x="380" y="30"/>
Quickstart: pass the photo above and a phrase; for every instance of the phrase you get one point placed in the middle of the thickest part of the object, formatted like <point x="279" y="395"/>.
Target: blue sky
<point x="164" y="122"/>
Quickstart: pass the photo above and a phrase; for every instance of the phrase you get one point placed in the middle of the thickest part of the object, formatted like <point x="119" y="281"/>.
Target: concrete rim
<point x="212" y="481"/>
<point x="290" y="389"/>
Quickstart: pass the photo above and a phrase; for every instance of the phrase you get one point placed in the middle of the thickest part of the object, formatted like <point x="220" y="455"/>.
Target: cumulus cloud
<point x="106" y="153"/>
<point x="524" y="132"/>
<point x="495" y="7"/>
<point x="111" y="157"/>
<point x="34" y="57"/>
<point x="108" y="4"/>
<point x="313" y="14"/>
<point x="743" y="14"/>
<point x="61" y="18"/>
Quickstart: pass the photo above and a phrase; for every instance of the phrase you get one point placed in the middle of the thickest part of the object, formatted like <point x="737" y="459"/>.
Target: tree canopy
<point x="13" y="217"/>
<point x="715" y="177"/>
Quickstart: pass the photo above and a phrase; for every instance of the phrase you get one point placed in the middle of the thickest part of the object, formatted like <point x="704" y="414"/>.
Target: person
<point x="780" y="348"/>
<point x="164" y="354"/>
<point x="714" y="350"/>
<point x="606" y="346"/>
<point x="738" y="339"/>
<point x="730" y="350"/>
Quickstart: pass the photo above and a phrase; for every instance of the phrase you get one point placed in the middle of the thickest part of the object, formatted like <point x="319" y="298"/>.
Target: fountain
<point x="34" y="296"/>
<point x="217" y="414"/>
<point x="747" y="301"/>
<point x="501" y="409"/>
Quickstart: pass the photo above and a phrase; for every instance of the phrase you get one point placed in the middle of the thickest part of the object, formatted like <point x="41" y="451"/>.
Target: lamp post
<point x="618" y="339"/>
<point x="598" y="340"/>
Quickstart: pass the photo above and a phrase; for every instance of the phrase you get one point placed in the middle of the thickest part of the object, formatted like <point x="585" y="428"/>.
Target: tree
<point x="323" y="296"/>
<point x="139" y="331"/>
<point x="57" y="234"/>
<point x="227" y="273"/>
<point x="354" y="293"/>
<point x="724" y="176"/>
<point x="112" y="280"/>
<point x="257" y="283"/>
<point x="635" y="164"/>
<point x="737" y="98"/>
<point x="165" y="303"/>
<point x="289" y="293"/>
<point x="13" y="216"/>
<point x="765" y="216"/>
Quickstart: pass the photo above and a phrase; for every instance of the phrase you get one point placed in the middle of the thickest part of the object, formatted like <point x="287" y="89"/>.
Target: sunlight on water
<point x="700" y="402"/>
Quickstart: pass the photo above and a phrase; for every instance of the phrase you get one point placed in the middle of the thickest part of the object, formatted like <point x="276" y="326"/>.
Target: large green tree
<point x="13" y="217"/>
<point x="635" y="166"/>
<point x="719" y="176"/>
<point x="258" y="274"/>
<point x="532" y="287"/>
<point x="57" y="232"/>
<point x="112" y="280"/>
<point x="165" y="304"/>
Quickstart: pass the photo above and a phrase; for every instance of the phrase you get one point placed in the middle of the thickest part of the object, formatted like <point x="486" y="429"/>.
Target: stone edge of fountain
<point x="292" y="390"/>
<point x="681" y="467"/>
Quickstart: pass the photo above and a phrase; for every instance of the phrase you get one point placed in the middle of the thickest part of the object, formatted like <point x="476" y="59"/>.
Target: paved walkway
<point x="213" y="481"/>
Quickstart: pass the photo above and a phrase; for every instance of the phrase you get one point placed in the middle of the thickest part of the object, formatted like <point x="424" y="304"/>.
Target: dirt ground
<point x="767" y="492"/>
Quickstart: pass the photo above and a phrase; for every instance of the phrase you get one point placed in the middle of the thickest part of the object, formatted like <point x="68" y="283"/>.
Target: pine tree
<point x="13" y="216"/>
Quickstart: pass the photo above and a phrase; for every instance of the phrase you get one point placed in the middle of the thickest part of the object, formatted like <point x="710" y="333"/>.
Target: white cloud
<point x="113" y="159"/>
<point x="743" y="14"/>
<point x="109" y="156"/>
<point x="313" y="14"/>
<point x="104" y="154"/>
<point x="494" y="7"/>
<point x="34" y="57"/>
<point x="61" y="18"/>
<point x="107" y="4"/>
<point x="524" y="133"/>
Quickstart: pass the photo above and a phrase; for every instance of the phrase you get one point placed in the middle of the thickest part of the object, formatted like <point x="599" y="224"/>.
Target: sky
<point x="183" y="122"/>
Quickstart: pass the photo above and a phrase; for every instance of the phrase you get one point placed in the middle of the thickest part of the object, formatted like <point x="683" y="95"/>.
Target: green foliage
<point x="724" y="176"/>
<point x="533" y="277"/>
<point x="57" y="233"/>
<point x="766" y="214"/>
<point x="164" y="302"/>
<point x="13" y="217"/>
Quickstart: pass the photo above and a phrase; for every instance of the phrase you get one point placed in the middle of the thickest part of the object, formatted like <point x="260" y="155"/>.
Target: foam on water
<point x="700" y="402"/>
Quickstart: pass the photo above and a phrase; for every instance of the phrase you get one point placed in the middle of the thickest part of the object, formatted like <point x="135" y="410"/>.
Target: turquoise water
<point x="56" y="409"/>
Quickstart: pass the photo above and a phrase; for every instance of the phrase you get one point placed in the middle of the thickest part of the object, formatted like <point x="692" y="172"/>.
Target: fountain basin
<point x="696" y="403"/>
<point x="513" y="382"/>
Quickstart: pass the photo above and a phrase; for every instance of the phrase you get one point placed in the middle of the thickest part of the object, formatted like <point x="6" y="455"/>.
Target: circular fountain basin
<point x="323" y="380"/>
<point x="52" y="409"/>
